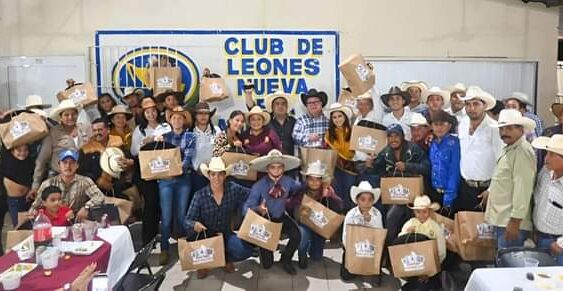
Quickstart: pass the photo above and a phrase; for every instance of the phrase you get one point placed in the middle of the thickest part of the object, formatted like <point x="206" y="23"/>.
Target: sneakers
<point x="164" y="257"/>
<point x="288" y="268"/>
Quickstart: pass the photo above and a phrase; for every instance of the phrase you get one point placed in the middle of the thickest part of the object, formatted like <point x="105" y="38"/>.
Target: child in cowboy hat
<point x="317" y="188"/>
<point x="364" y="196"/>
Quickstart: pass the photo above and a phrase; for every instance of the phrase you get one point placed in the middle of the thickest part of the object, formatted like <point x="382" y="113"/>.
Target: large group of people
<point x="472" y="155"/>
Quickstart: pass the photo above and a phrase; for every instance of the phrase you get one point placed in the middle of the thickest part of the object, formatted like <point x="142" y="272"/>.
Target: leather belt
<point x="478" y="184"/>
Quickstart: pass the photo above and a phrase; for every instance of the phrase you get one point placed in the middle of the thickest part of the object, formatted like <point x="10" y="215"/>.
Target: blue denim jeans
<point x="544" y="241"/>
<point x="342" y="183"/>
<point x="174" y="198"/>
<point x="502" y="243"/>
<point x="311" y="243"/>
<point x="16" y="205"/>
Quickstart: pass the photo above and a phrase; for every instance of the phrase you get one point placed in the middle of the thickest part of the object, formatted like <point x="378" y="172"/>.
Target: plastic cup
<point x="90" y="229"/>
<point x="77" y="232"/>
<point x="50" y="259"/>
<point x="11" y="281"/>
<point x="531" y="262"/>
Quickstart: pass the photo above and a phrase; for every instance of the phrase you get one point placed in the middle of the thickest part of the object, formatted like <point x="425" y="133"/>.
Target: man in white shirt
<point x="480" y="148"/>
<point x="400" y="113"/>
<point x="457" y="106"/>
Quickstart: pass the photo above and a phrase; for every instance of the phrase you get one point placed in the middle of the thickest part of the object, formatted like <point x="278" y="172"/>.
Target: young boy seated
<point x="364" y="214"/>
<point x="52" y="205"/>
<point x="423" y="223"/>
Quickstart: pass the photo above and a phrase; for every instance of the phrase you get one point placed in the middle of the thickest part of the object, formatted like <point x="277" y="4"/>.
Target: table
<point x="122" y="251"/>
<point x="500" y="279"/>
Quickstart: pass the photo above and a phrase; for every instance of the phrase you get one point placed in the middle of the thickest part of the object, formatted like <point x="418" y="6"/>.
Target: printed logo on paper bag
<point x="202" y="255"/>
<point x="399" y="192"/>
<point x="447" y="232"/>
<point x="364" y="249"/>
<point x="19" y="128"/>
<point x="164" y="82"/>
<point x="159" y="165"/>
<point x="318" y="218"/>
<point x="77" y="96"/>
<point x="367" y="143"/>
<point x="363" y="72"/>
<point x="413" y="262"/>
<point x="485" y="231"/>
<point x="216" y="89"/>
<point x="260" y="233"/>
<point x="240" y="168"/>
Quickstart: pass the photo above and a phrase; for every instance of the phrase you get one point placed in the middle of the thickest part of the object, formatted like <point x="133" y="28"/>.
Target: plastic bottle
<point x="42" y="230"/>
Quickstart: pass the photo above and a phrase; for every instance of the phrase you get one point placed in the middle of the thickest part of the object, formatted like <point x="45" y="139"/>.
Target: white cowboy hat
<point x="552" y="144"/>
<point x="66" y="104"/>
<point x="423" y="202"/>
<point x="522" y="97"/>
<point x="436" y="91"/>
<point x="414" y="83"/>
<point x="475" y="92"/>
<point x="269" y="99"/>
<point x="256" y="110"/>
<point x="274" y="156"/>
<point x="109" y="161"/>
<point x="120" y="109"/>
<point x="364" y="187"/>
<point x="418" y="119"/>
<point x="35" y="101"/>
<point x="128" y="91"/>
<point x="315" y="169"/>
<point x="339" y="107"/>
<point x="458" y="87"/>
<point x="366" y="95"/>
<point x="514" y="117"/>
<point x="215" y="165"/>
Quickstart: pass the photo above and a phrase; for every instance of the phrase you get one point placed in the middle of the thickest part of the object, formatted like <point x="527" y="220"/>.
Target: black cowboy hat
<point x="202" y="107"/>
<point x="443" y="116"/>
<point x="396" y="91"/>
<point x="314" y="93"/>
<point x="179" y="96"/>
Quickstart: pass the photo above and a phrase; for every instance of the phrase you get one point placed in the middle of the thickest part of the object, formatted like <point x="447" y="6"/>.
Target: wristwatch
<point x="66" y="287"/>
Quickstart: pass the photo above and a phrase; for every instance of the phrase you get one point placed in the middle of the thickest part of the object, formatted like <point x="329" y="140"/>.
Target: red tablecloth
<point x="65" y="272"/>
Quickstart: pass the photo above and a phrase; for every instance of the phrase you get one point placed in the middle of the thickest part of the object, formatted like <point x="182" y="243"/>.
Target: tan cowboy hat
<point x="522" y="97"/>
<point x="273" y="157"/>
<point x="109" y="161"/>
<point x="339" y="107"/>
<point x="475" y="92"/>
<point x="256" y="110"/>
<point x="436" y="91"/>
<point x="424" y="202"/>
<point x="557" y="109"/>
<point x="414" y="83"/>
<point x="366" y="95"/>
<point x="129" y="91"/>
<point x="364" y="187"/>
<point x="35" y="101"/>
<point x="315" y="169"/>
<point x="418" y="119"/>
<point x="457" y="87"/>
<point x="552" y="144"/>
<point x="514" y="117"/>
<point x="120" y="109"/>
<point x="178" y="110"/>
<point x="269" y="99"/>
<point x="66" y="104"/>
<point x="147" y="102"/>
<point x="215" y="165"/>
<point x="162" y="96"/>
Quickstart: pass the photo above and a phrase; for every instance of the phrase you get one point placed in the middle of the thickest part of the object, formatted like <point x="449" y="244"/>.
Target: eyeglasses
<point x="313" y="102"/>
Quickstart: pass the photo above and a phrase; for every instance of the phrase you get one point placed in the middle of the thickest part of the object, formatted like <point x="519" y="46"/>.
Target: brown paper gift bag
<point x="400" y="190"/>
<point x="449" y="231"/>
<point x="260" y="231"/>
<point x="359" y="76"/>
<point x="327" y="158"/>
<point x="469" y="252"/>
<point x="123" y="206"/>
<point x="160" y="163"/>
<point x="474" y="230"/>
<point x="213" y="89"/>
<point x="364" y="248"/>
<point x="202" y="254"/>
<point x="165" y="78"/>
<point x="369" y="140"/>
<point x="415" y="259"/>
<point x="83" y="94"/>
<point x="347" y="99"/>
<point x="240" y="165"/>
<point x="23" y="129"/>
<point x="14" y="237"/>
<point x="321" y="219"/>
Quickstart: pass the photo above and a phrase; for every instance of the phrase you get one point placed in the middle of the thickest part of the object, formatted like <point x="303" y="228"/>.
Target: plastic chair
<point x="515" y="257"/>
<point x="154" y="284"/>
<point x="133" y="279"/>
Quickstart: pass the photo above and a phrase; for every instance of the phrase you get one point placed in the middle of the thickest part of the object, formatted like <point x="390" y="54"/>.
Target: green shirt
<point x="510" y="192"/>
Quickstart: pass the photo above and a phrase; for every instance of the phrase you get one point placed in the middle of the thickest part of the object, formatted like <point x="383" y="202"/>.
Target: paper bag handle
<point x="204" y="234"/>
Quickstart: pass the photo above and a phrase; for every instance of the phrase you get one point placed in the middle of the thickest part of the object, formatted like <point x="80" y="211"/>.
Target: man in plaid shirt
<point x="310" y="128"/>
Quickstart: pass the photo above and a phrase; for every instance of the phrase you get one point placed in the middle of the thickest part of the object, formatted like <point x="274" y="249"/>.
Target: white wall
<point x="377" y="28"/>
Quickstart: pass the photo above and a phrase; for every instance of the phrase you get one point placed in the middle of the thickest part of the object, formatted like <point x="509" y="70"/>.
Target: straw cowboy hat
<point x="120" y="109"/>
<point x="522" y="97"/>
<point x="178" y="110"/>
<point x="273" y="157"/>
<point x="269" y="99"/>
<point x="109" y="161"/>
<point x="147" y="102"/>
<point x="514" y="117"/>
<point x="396" y="91"/>
<point x="414" y="83"/>
<point x="418" y="119"/>
<point x="314" y="93"/>
<point x="256" y="110"/>
<point x="315" y="169"/>
<point x="423" y="202"/>
<point x="339" y="107"/>
<point x="475" y="92"/>
<point x="552" y="144"/>
<point x="364" y="187"/>
<point x="215" y="165"/>
<point x="162" y="96"/>
<point x="366" y="95"/>
<point x="458" y="87"/>
<point x="35" y="101"/>
<point x="65" y="105"/>
<point x="557" y="109"/>
<point x="130" y="91"/>
<point x="436" y="91"/>
<point x="203" y="107"/>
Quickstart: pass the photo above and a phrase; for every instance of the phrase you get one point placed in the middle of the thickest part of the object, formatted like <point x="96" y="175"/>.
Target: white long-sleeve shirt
<point x="355" y="217"/>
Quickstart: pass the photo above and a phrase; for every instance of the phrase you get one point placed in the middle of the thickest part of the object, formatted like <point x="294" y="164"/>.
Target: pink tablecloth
<point x="65" y="272"/>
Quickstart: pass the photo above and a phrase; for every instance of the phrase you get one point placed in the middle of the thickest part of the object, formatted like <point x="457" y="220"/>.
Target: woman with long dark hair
<point x="230" y="140"/>
<point x="105" y="104"/>
<point x="118" y="118"/>
<point x="206" y="134"/>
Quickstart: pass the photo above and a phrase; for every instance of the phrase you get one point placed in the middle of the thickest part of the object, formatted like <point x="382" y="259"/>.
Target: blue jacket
<point x="445" y="159"/>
